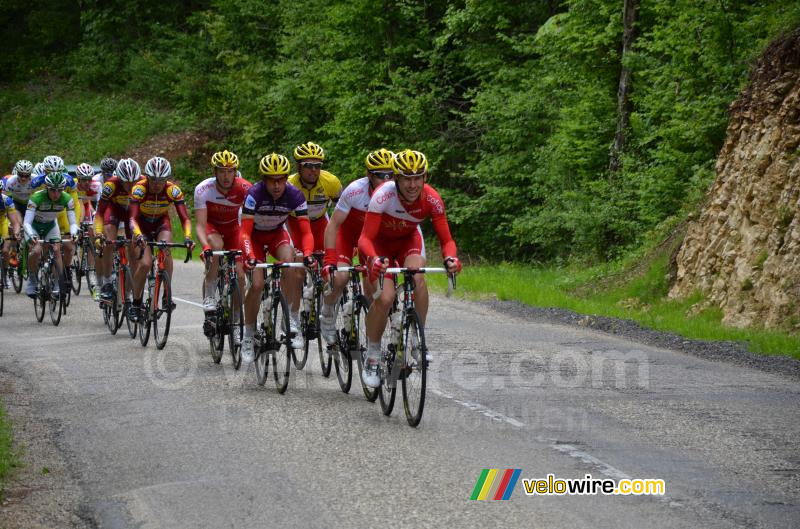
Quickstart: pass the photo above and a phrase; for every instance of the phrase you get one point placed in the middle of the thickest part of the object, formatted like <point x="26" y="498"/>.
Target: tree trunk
<point x="623" y="106"/>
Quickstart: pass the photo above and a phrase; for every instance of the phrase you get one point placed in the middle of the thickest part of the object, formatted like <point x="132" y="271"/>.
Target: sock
<point x="327" y="310"/>
<point x="373" y="348"/>
<point x="210" y="288"/>
<point x="295" y="316"/>
<point x="249" y="329"/>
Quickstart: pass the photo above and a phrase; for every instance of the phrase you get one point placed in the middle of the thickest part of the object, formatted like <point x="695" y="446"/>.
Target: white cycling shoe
<point x="248" y="350"/>
<point x="209" y="304"/>
<point x="297" y="342"/>
<point x="328" y="327"/>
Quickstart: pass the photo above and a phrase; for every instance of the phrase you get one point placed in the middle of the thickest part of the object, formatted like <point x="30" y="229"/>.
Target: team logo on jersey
<point x="438" y="207"/>
<point x="108" y="189"/>
<point x="176" y="193"/>
<point x="250" y="202"/>
<point x="138" y="192"/>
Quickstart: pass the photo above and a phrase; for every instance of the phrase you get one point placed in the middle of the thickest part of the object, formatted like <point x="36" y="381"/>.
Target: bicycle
<point x="157" y="304"/>
<point x="2" y="275"/>
<point x="228" y="316"/>
<point x="83" y="261"/>
<point x="351" y="334"/>
<point x="116" y="309"/>
<point x="405" y="354"/>
<point x="273" y="331"/>
<point x="13" y="266"/>
<point x="47" y="275"/>
<point x="309" y="319"/>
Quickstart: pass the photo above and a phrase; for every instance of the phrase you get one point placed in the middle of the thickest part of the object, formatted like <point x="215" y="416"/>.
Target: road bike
<point x="309" y="319"/>
<point x="273" y="336"/>
<point x="157" y="305"/>
<point x="351" y="335"/>
<point x="83" y="261"/>
<point x="12" y="267"/>
<point x="227" y="318"/>
<point x="48" y="277"/>
<point x="115" y="309"/>
<point x="404" y="354"/>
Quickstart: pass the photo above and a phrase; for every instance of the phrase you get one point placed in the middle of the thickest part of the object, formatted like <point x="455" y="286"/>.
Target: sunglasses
<point x="311" y="165"/>
<point x="411" y="175"/>
<point x="383" y="175"/>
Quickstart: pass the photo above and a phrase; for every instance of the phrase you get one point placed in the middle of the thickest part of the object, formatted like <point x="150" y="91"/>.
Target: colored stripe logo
<point x="496" y="484"/>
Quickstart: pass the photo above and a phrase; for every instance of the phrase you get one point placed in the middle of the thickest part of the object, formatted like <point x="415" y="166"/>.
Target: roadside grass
<point x="9" y="459"/>
<point x="593" y="290"/>
<point x="77" y="124"/>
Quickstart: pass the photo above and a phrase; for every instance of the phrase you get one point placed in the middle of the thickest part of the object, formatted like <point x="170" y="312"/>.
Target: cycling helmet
<point x="38" y="169"/>
<point x="108" y="164"/>
<point x="23" y="166"/>
<point x="55" y="181"/>
<point x="274" y="165"/>
<point x="409" y="163"/>
<point x="84" y="171"/>
<point x="128" y="170"/>
<point x="53" y="164"/>
<point x="308" y="150"/>
<point x="157" y="168"/>
<point x="225" y="159"/>
<point x="380" y="160"/>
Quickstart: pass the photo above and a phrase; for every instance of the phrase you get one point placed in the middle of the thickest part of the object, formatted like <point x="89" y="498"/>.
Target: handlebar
<point x="164" y="244"/>
<point x="451" y="278"/>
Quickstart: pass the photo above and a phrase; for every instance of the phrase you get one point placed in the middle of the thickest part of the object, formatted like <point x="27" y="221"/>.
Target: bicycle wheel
<point x="281" y="342"/>
<point x="342" y="359"/>
<point x="415" y="367"/>
<point x="234" y="316"/>
<point x="122" y="305"/>
<point x="144" y="315"/>
<point x="16" y="271"/>
<point x="87" y="267"/>
<point x="263" y="341"/>
<point x="42" y="295"/>
<point x="55" y="302"/>
<point x="75" y="273"/>
<point x="161" y="313"/>
<point x="359" y="344"/>
<point x="110" y="313"/>
<point x="128" y="286"/>
<point x="2" y="285"/>
<point x="388" y="372"/>
<point x="324" y="351"/>
<point x="307" y="318"/>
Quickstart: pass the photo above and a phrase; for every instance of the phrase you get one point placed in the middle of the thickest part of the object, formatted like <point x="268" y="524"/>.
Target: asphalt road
<point x="167" y="439"/>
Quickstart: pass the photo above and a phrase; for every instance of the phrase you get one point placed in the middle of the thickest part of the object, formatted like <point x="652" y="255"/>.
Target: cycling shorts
<point x="397" y="250"/>
<point x="229" y="233"/>
<point x="152" y="227"/>
<point x="47" y="231"/>
<point x="272" y="239"/>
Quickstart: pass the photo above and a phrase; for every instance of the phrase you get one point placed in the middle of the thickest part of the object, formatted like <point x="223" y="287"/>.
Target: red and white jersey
<point x="390" y="218"/>
<point x="93" y="191"/>
<point x="354" y="202"/>
<point x="222" y="208"/>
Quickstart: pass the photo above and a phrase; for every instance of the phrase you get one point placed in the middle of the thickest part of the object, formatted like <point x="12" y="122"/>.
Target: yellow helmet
<point x="308" y="150"/>
<point x="225" y="159"/>
<point x="380" y="159"/>
<point x="409" y="163"/>
<point x="274" y="165"/>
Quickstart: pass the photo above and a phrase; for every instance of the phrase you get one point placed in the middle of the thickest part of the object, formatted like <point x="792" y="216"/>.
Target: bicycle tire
<point x="2" y="284"/>
<point x="132" y="325"/>
<point x="324" y="351"/>
<point x="162" y="312"/>
<point x="306" y="323"/>
<point x="360" y="345"/>
<point x="16" y="272"/>
<point x="144" y="315"/>
<point x="87" y="270"/>
<point x="415" y="367"/>
<point x="235" y="324"/>
<point x="110" y="310"/>
<point x="282" y="342"/>
<point x="40" y="300"/>
<point x="342" y="359"/>
<point x="75" y="275"/>
<point x="263" y="346"/>
<point x="55" y="302"/>
<point x="387" y="391"/>
<point x="122" y="304"/>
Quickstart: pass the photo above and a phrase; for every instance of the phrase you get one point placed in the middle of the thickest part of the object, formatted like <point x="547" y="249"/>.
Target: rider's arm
<point x="14" y="219"/>
<point x="369" y="233"/>
<point x="98" y="216"/>
<point x="27" y="224"/>
<point x="200" y="218"/>
<point x="71" y="217"/>
<point x="300" y="224"/>
<point x="244" y="235"/>
<point x="180" y="207"/>
<point x="330" y="235"/>
<point x="133" y="215"/>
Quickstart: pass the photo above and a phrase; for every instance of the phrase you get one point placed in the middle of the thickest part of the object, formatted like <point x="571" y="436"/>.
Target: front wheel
<point x="161" y="313"/>
<point x="234" y="310"/>
<point x="342" y="359"/>
<point x="75" y="273"/>
<point x="282" y="342"/>
<point x="42" y="295"/>
<point x="359" y="344"/>
<point x="55" y="301"/>
<point x="128" y="285"/>
<point x="144" y="315"/>
<point x="415" y="367"/>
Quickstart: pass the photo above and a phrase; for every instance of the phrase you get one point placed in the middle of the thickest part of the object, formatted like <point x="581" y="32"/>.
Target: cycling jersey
<point x="92" y="193"/>
<point x="391" y="219"/>
<point x="41" y="213"/>
<point x="262" y="213"/>
<point x="72" y="190"/>
<point x="324" y="192"/>
<point x="21" y="192"/>
<point x="6" y="208"/>
<point x="112" y="209"/>
<point x="221" y="208"/>
<point x="152" y="208"/>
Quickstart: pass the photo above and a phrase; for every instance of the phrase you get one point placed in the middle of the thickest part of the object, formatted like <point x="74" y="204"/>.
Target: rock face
<point x="743" y="251"/>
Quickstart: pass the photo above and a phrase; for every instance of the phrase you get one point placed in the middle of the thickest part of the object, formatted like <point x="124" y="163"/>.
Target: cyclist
<point x="320" y="188"/>
<point x="40" y="223"/>
<point x="149" y="220"/>
<point x="344" y="228"/>
<point x="90" y="186"/>
<point x="9" y="218"/>
<point x="112" y="210"/>
<point x="390" y="234"/>
<point x="266" y="208"/>
<point x="217" y="207"/>
<point x="55" y="164"/>
<point x="21" y="185"/>
<point x="107" y="167"/>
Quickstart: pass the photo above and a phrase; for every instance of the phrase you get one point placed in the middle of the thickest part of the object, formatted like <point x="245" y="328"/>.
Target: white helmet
<point x="53" y="164"/>
<point x="84" y="171"/>
<point x="158" y="168"/>
<point x="23" y="166"/>
<point x="128" y="170"/>
<point x="38" y="169"/>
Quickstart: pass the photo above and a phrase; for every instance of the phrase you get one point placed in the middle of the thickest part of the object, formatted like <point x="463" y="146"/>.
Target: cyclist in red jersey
<point x="390" y="235"/>
<point x="217" y="208"/>
<point x="111" y="211"/>
<point x="344" y="229"/>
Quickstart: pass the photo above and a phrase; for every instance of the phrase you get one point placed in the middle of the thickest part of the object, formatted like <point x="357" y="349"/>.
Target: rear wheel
<point x="388" y="371"/>
<point x="161" y="313"/>
<point x="144" y="315"/>
<point x="16" y="271"/>
<point x="42" y="295"/>
<point x="343" y="358"/>
<point x="282" y="343"/>
<point x="360" y="345"/>
<point x="55" y="302"/>
<point x="234" y="311"/>
<point x="75" y="272"/>
<point x="415" y="367"/>
<point x="128" y="285"/>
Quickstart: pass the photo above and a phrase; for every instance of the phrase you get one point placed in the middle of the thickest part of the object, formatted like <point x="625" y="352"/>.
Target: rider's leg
<point x="421" y="288"/>
<point x="293" y="279"/>
<point x="216" y="243"/>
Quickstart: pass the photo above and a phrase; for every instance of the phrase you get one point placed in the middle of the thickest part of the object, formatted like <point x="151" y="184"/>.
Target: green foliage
<point x="9" y="458"/>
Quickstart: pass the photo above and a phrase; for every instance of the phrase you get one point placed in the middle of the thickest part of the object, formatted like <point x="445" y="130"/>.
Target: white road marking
<point x="187" y="301"/>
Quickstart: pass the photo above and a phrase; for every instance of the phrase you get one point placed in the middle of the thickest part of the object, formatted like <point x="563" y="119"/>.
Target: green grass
<point x="8" y="457"/>
<point x="77" y="124"/>
<point x="641" y="298"/>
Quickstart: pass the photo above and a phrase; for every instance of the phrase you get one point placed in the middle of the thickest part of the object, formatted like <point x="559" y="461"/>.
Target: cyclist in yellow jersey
<point x="321" y="189"/>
